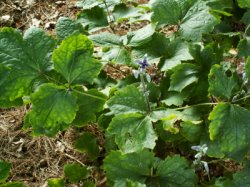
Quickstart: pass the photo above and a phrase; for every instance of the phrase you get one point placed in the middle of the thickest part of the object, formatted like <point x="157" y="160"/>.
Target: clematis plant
<point x="202" y="151"/>
<point x="141" y="72"/>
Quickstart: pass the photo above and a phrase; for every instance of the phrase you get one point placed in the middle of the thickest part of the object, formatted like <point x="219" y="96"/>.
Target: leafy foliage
<point x="199" y="65"/>
<point x="138" y="166"/>
<point x="56" y="182"/>
<point x="4" y="170"/>
<point x="133" y="132"/>
<point x="88" y="143"/>
<point x="75" y="173"/>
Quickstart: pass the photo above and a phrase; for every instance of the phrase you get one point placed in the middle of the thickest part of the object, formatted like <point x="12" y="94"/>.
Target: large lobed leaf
<point x="178" y="51"/>
<point x="169" y="12"/>
<point x="128" y="100"/>
<point x="93" y="19"/>
<point x="174" y="172"/>
<point x="89" y="102"/>
<point x="133" y="132"/>
<point x="53" y="107"/>
<point x="192" y="16"/>
<point x="73" y="59"/>
<point x="134" y="166"/>
<point x="28" y="59"/>
<point x="184" y="75"/>
<point x="197" y="21"/>
<point x="223" y="83"/>
<point x="229" y="128"/>
<point x="144" y="168"/>
<point x="65" y="27"/>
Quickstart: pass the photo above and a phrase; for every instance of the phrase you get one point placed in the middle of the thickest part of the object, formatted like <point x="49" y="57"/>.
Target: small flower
<point x="136" y="73"/>
<point x="198" y="156"/>
<point x="202" y="151"/>
<point x="205" y="165"/>
<point x="196" y="147"/>
<point x="148" y="77"/>
<point x="144" y="63"/>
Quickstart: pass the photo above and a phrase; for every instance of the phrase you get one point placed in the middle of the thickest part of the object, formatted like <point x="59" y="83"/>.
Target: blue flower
<point x="144" y="63"/>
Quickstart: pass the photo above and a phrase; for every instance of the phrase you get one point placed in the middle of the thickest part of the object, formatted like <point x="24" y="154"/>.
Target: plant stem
<point x="89" y="95"/>
<point x="245" y="33"/>
<point x="243" y="98"/>
<point x="109" y="16"/>
<point x="201" y="104"/>
<point x="145" y="92"/>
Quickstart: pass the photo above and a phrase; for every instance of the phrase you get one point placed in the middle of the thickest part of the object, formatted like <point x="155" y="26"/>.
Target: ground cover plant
<point x="178" y="115"/>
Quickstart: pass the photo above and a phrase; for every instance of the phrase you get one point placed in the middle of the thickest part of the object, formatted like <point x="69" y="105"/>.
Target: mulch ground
<point x="36" y="159"/>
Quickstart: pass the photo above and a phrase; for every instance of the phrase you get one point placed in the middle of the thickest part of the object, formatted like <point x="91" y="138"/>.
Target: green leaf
<point x="184" y="75"/>
<point x="221" y="182"/>
<point x="156" y="48"/>
<point x="27" y="58"/>
<point x="191" y="115"/>
<point x="133" y="132"/>
<point x="246" y="17"/>
<point x="142" y="36"/>
<point x="88" y="184"/>
<point x="178" y="51"/>
<point x="12" y="184"/>
<point x="133" y="166"/>
<point x="229" y="128"/>
<point x="119" y="55"/>
<point x="243" y="47"/>
<point x="92" y="3"/>
<point x="242" y="178"/>
<point x="244" y="3"/>
<point x="223" y="82"/>
<point x="4" y="170"/>
<point x="173" y="98"/>
<point x="73" y="59"/>
<point x="174" y="172"/>
<point x="122" y="12"/>
<point x="93" y="19"/>
<point x="88" y="143"/>
<point x="127" y="100"/>
<point x="66" y="26"/>
<point x="5" y="102"/>
<point x="197" y="21"/>
<point x="56" y="182"/>
<point x="206" y="56"/>
<point x="192" y="16"/>
<point x="106" y="39"/>
<point x="90" y="102"/>
<point x="128" y="183"/>
<point x="169" y="12"/>
<point x="247" y="68"/>
<point x="191" y="131"/>
<point x="53" y="108"/>
<point x="75" y="172"/>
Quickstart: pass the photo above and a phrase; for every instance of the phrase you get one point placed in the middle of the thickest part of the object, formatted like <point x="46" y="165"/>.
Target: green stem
<point x="145" y="92"/>
<point x="109" y="16"/>
<point x="89" y="95"/>
<point x="245" y="33"/>
<point x="50" y="78"/>
<point x="241" y="99"/>
<point x="201" y="104"/>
